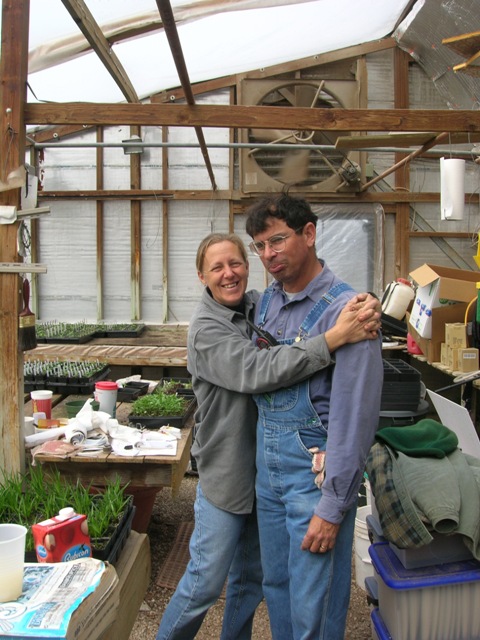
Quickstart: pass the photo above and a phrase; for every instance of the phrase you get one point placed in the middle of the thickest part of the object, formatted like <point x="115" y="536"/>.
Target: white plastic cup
<point x="106" y="395"/>
<point x="12" y="561"/>
<point x="42" y="401"/>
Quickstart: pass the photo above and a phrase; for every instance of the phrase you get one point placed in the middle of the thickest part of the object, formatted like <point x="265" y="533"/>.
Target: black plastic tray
<point x="111" y="332"/>
<point x="181" y="392"/>
<point x="131" y="391"/>
<point x="155" y="422"/>
<point x="80" y="340"/>
<point x="68" y="386"/>
<point x="116" y="543"/>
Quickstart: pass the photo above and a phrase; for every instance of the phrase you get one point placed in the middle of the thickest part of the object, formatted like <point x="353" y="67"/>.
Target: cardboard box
<point x="452" y="358"/>
<point x="456" y="335"/>
<point x="468" y="360"/>
<point x="62" y="538"/>
<point x="444" y="353"/>
<point x="438" y="288"/>
<point x="431" y="347"/>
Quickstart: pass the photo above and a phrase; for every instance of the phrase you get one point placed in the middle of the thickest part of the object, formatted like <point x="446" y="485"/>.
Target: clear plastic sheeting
<point x="217" y="38"/>
<point x="349" y="239"/>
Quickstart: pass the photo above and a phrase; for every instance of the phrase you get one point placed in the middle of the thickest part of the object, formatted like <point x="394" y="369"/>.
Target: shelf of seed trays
<point x="55" y="332"/>
<point x="63" y="376"/>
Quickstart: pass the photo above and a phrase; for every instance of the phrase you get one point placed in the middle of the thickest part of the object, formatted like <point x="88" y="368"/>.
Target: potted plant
<point x="159" y="408"/>
<point x="35" y="496"/>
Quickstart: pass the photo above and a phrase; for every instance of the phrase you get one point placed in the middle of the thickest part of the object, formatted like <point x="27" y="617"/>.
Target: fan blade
<point x="295" y="166"/>
<point x="272" y="135"/>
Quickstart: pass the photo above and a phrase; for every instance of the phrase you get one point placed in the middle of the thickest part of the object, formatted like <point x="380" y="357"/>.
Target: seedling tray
<point x="131" y="391"/>
<point x="66" y="386"/>
<point x="116" y="543"/>
<point x="155" y="422"/>
<point x="112" y="331"/>
<point x="111" y="552"/>
<point x="187" y="392"/>
<point x="67" y="340"/>
<point x="64" y="333"/>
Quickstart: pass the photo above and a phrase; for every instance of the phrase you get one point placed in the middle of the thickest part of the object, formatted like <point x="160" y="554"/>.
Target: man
<point x="327" y="424"/>
<point x="226" y="368"/>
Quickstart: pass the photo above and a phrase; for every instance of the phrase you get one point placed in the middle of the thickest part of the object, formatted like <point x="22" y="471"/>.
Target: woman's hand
<point x="358" y="320"/>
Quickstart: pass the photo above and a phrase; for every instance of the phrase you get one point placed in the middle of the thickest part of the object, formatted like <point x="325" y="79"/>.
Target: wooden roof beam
<point x="171" y="32"/>
<point x="92" y="32"/>
<point x="236" y="116"/>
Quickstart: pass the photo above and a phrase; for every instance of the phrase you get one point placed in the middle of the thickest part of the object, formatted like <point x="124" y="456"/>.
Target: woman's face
<point x="225" y="273"/>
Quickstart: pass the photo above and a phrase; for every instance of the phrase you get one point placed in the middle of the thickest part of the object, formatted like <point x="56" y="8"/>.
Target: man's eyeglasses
<point x="275" y="243"/>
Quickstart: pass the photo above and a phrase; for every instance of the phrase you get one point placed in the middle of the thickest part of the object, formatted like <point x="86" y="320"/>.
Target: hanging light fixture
<point x="130" y="146"/>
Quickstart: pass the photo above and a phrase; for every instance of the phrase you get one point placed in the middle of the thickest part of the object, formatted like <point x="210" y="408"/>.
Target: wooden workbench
<point x="144" y="475"/>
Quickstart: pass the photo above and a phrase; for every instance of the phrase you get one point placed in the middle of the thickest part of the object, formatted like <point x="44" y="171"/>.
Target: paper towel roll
<point x="452" y="188"/>
<point x="8" y="214"/>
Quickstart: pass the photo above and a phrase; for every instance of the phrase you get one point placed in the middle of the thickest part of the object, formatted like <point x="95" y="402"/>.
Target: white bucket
<point x="363" y="562"/>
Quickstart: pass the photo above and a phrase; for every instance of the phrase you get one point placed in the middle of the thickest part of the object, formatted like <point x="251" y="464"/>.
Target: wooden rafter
<point x="92" y="32"/>
<point x="171" y="32"/>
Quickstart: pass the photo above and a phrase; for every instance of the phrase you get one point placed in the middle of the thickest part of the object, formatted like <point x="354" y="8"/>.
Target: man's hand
<point x="320" y="536"/>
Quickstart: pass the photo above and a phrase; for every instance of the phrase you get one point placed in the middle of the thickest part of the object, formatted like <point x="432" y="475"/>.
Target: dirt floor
<point x="167" y="515"/>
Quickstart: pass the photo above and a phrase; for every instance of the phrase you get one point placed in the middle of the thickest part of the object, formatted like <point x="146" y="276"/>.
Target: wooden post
<point x="13" y="77"/>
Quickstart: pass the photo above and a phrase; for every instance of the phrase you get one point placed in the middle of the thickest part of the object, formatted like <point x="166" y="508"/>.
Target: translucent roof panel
<point x="218" y="38"/>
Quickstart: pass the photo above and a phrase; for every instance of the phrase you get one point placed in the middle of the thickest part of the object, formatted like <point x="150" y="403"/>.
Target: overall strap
<point x="313" y="315"/>
<point x="320" y="306"/>
<point x="266" y="297"/>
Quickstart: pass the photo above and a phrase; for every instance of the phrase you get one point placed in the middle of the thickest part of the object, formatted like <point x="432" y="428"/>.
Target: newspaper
<point x="52" y="592"/>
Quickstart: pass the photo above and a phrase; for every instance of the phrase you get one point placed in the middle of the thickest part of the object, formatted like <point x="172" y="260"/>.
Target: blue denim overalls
<point x="307" y="594"/>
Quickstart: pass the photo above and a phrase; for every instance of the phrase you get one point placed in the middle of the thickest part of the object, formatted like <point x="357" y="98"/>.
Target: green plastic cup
<point x="74" y="406"/>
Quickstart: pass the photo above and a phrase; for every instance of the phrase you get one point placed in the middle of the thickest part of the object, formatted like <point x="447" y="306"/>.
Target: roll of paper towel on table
<point x="452" y="188"/>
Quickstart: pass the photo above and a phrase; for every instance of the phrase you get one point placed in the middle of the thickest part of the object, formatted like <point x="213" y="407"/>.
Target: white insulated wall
<point x="68" y="291"/>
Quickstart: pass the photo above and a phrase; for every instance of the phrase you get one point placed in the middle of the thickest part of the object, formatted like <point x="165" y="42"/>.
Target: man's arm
<point x="352" y="423"/>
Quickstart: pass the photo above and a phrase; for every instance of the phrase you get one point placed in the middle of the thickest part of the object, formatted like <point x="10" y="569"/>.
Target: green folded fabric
<point x="427" y="438"/>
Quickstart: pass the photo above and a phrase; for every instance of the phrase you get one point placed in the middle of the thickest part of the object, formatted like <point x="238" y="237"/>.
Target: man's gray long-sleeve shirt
<point x="226" y="369"/>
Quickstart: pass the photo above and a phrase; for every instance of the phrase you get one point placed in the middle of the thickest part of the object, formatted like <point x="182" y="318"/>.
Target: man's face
<point x="288" y="265"/>
<point x="225" y="273"/>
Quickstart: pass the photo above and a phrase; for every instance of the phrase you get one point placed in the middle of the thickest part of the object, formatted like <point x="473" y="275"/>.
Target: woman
<point x="226" y="369"/>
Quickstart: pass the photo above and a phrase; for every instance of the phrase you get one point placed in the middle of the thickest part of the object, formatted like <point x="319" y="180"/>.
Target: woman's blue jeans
<point x="223" y="545"/>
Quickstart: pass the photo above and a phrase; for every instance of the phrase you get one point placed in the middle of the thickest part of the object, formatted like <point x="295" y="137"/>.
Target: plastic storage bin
<point x="432" y="603"/>
<point x="442" y="550"/>
<point x="379" y="629"/>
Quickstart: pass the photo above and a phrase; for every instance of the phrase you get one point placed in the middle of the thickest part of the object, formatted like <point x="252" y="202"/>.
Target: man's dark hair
<point x="296" y="212"/>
